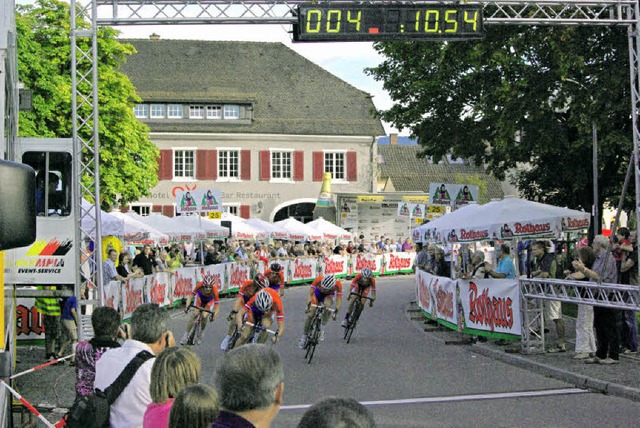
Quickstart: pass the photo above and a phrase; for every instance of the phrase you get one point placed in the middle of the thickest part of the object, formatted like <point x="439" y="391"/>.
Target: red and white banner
<point x="365" y="260"/>
<point x="302" y="269"/>
<point x="236" y="274"/>
<point x="424" y="287"/>
<point x="445" y="304"/>
<point x="397" y="263"/>
<point x="491" y="305"/>
<point x="133" y="295"/>
<point x="335" y="265"/>
<point x="158" y="288"/>
<point x="112" y="294"/>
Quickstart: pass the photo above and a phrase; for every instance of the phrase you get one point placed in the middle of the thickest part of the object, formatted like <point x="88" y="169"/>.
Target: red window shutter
<point x="318" y="166"/>
<point x="298" y="165"/>
<point x="124" y="208"/>
<point x="265" y="165"/>
<point x="168" y="210"/>
<point x="156" y="208"/>
<point x="165" y="165"/>
<point x="245" y="211"/>
<point x="206" y="164"/>
<point x="245" y="165"/>
<point x="352" y="166"/>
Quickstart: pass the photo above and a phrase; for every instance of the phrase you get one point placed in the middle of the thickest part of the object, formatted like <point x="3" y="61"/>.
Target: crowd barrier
<point x="167" y="289"/>
<point x="481" y="307"/>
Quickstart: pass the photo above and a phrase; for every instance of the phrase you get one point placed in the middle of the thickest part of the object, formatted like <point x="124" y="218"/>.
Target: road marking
<point x="454" y="398"/>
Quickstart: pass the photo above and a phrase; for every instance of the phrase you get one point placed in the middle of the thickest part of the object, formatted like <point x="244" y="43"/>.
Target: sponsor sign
<point x="397" y="263"/>
<point x="335" y="265"/>
<point x="491" y="305"/>
<point x="302" y="269"/>
<point x="199" y="201"/>
<point x="452" y="194"/>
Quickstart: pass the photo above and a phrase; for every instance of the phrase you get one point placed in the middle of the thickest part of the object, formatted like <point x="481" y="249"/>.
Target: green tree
<point x="522" y="99"/>
<point x="128" y="160"/>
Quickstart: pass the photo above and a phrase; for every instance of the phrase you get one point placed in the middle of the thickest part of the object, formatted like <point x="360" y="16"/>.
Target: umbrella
<point x="330" y="230"/>
<point x="110" y="225"/>
<point x="138" y="232"/>
<point x="299" y="231"/>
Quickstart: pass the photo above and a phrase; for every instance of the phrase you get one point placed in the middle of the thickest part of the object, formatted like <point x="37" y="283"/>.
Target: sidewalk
<point x="622" y="380"/>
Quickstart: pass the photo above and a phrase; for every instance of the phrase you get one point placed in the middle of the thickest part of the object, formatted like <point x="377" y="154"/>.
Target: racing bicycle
<point x="253" y="337"/>
<point x="313" y="336"/>
<point x="193" y="338"/>
<point x="354" y="315"/>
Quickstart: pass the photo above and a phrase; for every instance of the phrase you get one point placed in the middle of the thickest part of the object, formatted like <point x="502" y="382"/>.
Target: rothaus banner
<point x="335" y="265"/>
<point x="133" y="295"/>
<point x="112" y="294"/>
<point x="158" y="289"/>
<point x="452" y="194"/>
<point x="199" y="201"/>
<point x="424" y="287"/>
<point x="237" y="274"/>
<point x="302" y="269"/>
<point x="393" y="263"/>
<point x="365" y="260"/>
<point x="445" y="303"/>
<point x="491" y="306"/>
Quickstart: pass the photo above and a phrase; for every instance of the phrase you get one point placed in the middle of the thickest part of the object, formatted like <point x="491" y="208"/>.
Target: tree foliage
<point x="127" y="158"/>
<point x="522" y="99"/>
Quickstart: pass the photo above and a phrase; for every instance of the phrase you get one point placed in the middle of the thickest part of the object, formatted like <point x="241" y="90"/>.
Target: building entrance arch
<point x="300" y="209"/>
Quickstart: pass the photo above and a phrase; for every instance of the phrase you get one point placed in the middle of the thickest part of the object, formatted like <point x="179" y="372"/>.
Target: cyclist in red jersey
<point x="247" y="290"/>
<point x="322" y="290"/>
<point x="361" y="284"/>
<point x="259" y="310"/>
<point x="276" y="277"/>
<point x="206" y="296"/>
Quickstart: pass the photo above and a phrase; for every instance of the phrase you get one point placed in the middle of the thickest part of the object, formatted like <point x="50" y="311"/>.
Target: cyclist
<point x="206" y="296"/>
<point x="259" y="310"/>
<point x="323" y="290"/>
<point x="247" y="290"/>
<point x="361" y="284"/>
<point x="276" y="277"/>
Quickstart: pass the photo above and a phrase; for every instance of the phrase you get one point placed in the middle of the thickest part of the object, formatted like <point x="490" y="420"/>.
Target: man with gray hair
<point x="150" y="333"/>
<point x="604" y="319"/>
<point x="250" y="384"/>
<point x="337" y="412"/>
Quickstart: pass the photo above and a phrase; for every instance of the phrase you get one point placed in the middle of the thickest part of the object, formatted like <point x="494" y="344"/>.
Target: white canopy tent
<point x="174" y="229"/>
<point x="272" y="230"/>
<point x="299" y="231"/>
<point x="240" y="229"/>
<point x="330" y="230"/>
<point x="210" y="228"/>
<point x="137" y="231"/>
<point x="110" y="225"/>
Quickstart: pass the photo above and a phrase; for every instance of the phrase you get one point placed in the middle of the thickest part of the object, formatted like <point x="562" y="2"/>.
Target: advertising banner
<point x="236" y="274"/>
<point x="397" y="263"/>
<point x="365" y="260"/>
<point x="335" y="265"/>
<point x="29" y="325"/>
<point x="133" y="295"/>
<point x="199" y="201"/>
<point x="112" y="294"/>
<point x="424" y="287"/>
<point x="456" y="194"/>
<point x="491" y="306"/>
<point x="302" y="269"/>
<point x="158" y="289"/>
<point x="445" y="304"/>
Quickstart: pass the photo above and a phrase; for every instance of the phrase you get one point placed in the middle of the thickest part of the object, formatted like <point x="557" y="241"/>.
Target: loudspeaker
<point x="18" y="207"/>
<point x="226" y="223"/>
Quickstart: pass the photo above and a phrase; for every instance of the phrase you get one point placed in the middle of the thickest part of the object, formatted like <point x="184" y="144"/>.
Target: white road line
<point x="454" y="398"/>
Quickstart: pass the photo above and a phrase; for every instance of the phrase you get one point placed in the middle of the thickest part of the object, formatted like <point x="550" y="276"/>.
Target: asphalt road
<point x="407" y="377"/>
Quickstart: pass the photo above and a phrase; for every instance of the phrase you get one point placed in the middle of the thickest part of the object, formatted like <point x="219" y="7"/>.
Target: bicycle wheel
<point x="233" y="340"/>
<point x="314" y="338"/>
<point x="353" y="322"/>
<point x="350" y="323"/>
<point x="191" y="337"/>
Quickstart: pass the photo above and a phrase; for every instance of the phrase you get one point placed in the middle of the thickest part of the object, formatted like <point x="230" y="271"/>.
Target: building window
<point x="158" y="111"/>
<point x="175" y="111"/>
<point x="214" y="112"/>
<point x="232" y="209"/>
<point x="228" y="164"/>
<point x="281" y="165"/>
<point x="141" y="111"/>
<point x="184" y="164"/>
<point x="231" y="112"/>
<point x="196" y="112"/>
<point x="334" y="162"/>
<point x="143" y="210"/>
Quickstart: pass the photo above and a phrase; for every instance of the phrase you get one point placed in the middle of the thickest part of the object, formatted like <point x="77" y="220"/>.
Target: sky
<point x="345" y="60"/>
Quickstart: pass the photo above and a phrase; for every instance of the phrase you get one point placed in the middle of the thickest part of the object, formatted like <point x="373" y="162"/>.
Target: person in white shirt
<point x="149" y="332"/>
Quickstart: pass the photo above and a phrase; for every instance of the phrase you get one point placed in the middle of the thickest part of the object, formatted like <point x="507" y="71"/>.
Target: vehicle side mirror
<point x="17" y="205"/>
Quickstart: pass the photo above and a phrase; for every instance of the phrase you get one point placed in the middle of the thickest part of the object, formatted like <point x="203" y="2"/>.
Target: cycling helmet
<point x="261" y="281"/>
<point x="275" y="267"/>
<point x="328" y="282"/>
<point x="366" y="273"/>
<point x="264" y="301"/>
<point x="207" y="282"/>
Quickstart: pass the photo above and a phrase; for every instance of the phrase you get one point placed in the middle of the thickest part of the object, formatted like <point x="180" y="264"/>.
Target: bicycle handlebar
<point x="323" y="306"/>
<point x="361" y="296"/>
<point x="259" y="327"/>
<point x="198" y="307"/>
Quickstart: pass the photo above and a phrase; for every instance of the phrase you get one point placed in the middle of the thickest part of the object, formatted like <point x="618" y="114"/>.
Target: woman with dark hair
<point x="106" y="324"/>
<point x="124" y="268"/>
<point x="585" y="337"/>
<point x="196" y="406"/>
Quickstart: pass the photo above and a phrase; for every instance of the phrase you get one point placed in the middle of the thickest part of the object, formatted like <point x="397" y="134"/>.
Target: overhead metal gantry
<point x="160" y="12"/>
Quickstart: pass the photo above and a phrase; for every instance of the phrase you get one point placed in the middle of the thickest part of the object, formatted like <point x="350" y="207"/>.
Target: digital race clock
<point x="342" y="22"/>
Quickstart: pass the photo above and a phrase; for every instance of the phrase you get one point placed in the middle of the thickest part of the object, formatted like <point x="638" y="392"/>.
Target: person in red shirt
<point x="323" y="290"/>
<point x="206" y="297"/>
<point x="276" y="277"/>
<point x="259" y="309"/>
<point x="361" y="284"/>
<point x="247" y="290"/>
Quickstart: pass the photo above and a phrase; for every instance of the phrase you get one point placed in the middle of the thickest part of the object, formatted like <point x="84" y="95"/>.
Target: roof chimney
<point x="393" y="139"/>
<point x="154" y="36"/>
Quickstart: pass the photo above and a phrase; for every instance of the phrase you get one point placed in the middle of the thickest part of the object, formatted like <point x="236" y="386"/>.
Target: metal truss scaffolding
<point x="157" y="12"/>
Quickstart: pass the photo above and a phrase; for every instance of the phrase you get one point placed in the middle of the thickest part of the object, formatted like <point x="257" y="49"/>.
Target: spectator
<point x="406" y="246"/>
<point x="604" y="319"/>
<point x="109" y="270"/>
<point x="505" y="268"/>
<point x="441" y="266"/>
<point x="174" y="260"/>
<point x="337" y="412"/>
<point x="124" y="268"/>
<point x="196" y="406"/>
<point x="629" y="272"/>
<point x="250" y="383"/>
<point x="174" y="369"/>
<point x="161" y="261"/>
<point x="479" y="269"/>
<point x="585" y="338"/>
<point x="105" y="322"/>
<point x="621" y="250"/>
<point x="420" y="261"/>
<point x="149" y="333"/>
<point x="543" y="265"/>
<point x="50" y="310"/>
<point x="69" y="323"/>
<point x="144" y="261"/>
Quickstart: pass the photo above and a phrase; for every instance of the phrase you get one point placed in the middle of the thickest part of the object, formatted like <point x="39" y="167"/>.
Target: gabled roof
<point x="408" y="173"/>
<point x="402" y="140"/>
<point x="289" y="93"/>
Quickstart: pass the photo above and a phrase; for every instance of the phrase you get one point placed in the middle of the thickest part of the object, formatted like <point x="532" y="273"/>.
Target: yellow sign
<point x="436" y="209"/>
<point x="370" y="199"/>
<point x="416" y="199"/>
<point x="214" y="214"/>
<point x="418" y="220"/>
